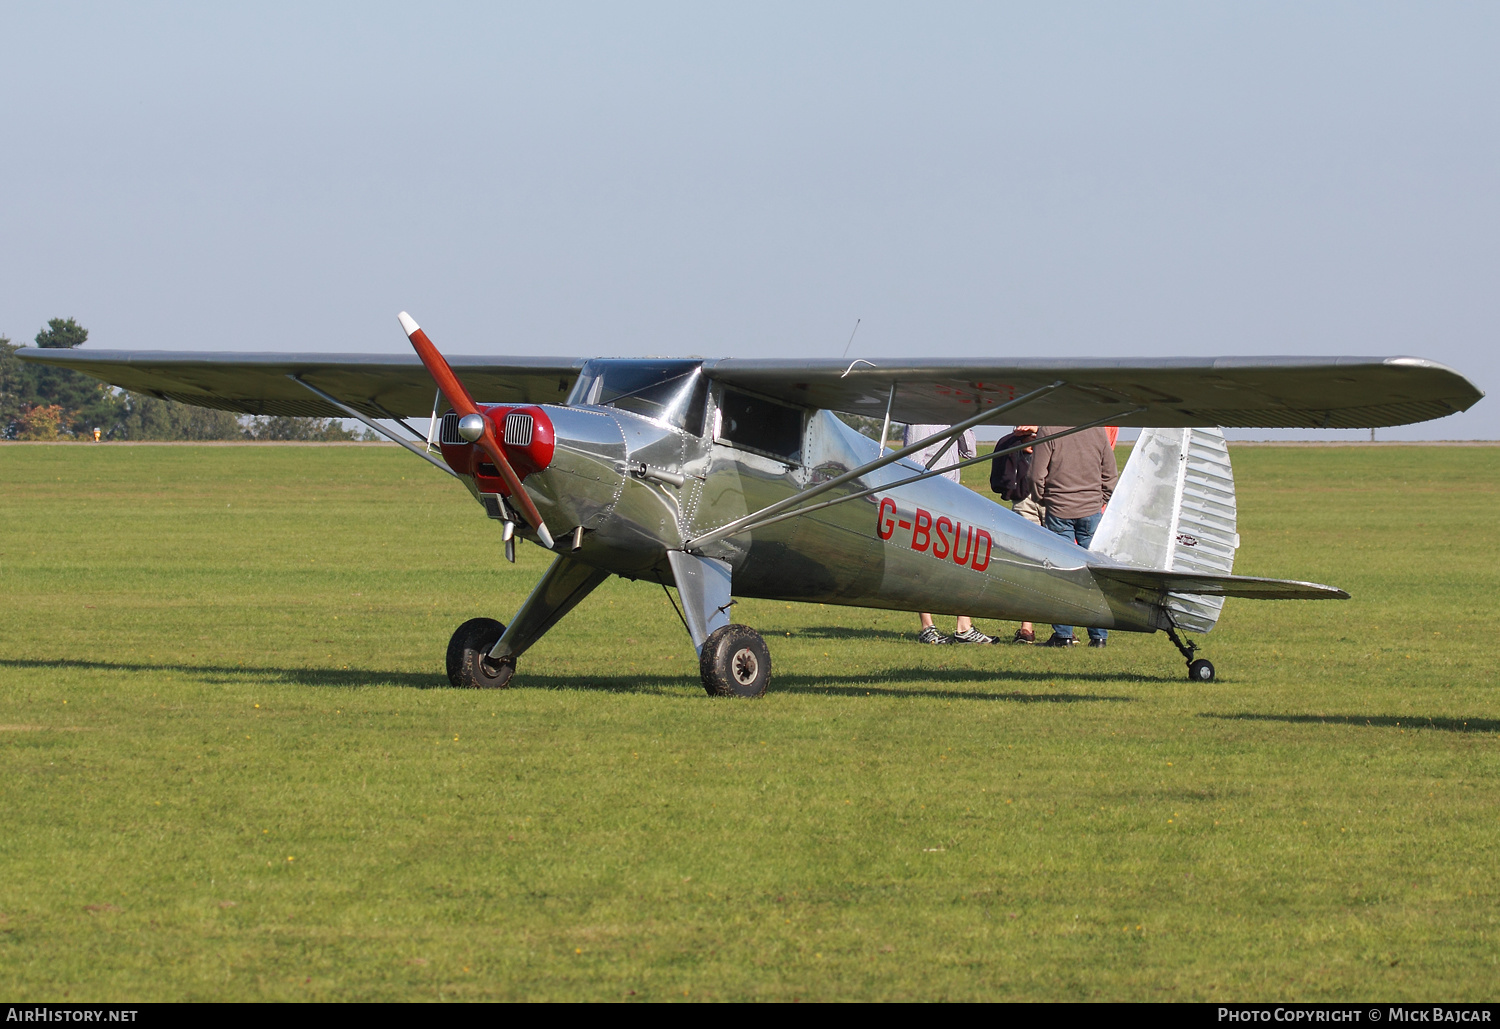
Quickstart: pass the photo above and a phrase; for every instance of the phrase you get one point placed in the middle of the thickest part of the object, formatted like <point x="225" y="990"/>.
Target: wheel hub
<point x="744" y="666"/>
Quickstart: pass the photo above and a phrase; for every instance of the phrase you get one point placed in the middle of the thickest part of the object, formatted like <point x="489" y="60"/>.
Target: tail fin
<point x="1174" y="511"/>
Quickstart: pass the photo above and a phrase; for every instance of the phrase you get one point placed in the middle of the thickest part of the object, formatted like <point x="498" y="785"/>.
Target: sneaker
<point x="1099" y="643"/>
<point x="1024" y="636"/>
<point x="1058" y="640"/>
<point x="972" y="636"/>
<point x="931" y="635"/>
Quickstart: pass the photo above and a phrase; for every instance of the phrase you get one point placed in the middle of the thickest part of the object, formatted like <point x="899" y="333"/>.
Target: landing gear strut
<point x="1199" y="669"/>
<point x="470" y="666"/>
<point x="735" y="662"/>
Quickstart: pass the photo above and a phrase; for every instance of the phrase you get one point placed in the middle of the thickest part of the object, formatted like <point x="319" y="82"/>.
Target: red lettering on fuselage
<point x="963" y="558"/>
<point x="921" y="529"/>
<point x="943" y="538"/>
<point x="981" y="536"/>
<point x="940" y="545"/>
<point x="883" y="526"/>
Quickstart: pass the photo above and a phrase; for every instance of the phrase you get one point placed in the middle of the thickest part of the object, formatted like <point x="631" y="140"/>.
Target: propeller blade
<point x="447" y="383"/>
<point x="458" y="397"/>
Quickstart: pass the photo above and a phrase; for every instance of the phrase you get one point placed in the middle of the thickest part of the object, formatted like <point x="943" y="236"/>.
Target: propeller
<point x="458" y="397"/>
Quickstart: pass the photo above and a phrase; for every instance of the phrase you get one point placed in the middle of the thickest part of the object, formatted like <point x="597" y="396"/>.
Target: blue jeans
<point x="1081" y="532"/>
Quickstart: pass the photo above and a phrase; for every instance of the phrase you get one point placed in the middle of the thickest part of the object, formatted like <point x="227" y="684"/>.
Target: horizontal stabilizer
<point x="1153" y="581"/>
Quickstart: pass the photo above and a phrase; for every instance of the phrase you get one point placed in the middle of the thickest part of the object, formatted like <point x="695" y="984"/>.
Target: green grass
<point x="226" y="771"/>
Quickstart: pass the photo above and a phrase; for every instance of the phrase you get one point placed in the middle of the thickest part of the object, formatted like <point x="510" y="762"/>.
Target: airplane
<point x="735" y="478"/>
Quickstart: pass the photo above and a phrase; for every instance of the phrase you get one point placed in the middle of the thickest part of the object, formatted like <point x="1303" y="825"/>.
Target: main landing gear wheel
<point x="1201" y="671"/>
<point x="735" y="662"/>
<point x="469" y="663"/>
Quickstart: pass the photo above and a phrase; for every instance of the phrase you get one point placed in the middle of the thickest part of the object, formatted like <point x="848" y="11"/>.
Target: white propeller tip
<point x="408" y="325"/>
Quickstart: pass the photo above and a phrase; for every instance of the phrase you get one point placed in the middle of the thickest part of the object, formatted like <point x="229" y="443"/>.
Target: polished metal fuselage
<point x="606" y="476"/>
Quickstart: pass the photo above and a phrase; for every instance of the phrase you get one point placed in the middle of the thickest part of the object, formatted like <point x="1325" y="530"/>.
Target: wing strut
<point x="772" y="520"/>
<point x="432" y="422"/>
<point x="424" y="455"/>
<point x="758" y="517"/>
<point x="885" y="427"/>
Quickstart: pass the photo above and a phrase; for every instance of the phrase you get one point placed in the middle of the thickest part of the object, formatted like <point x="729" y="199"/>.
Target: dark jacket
<point x="1075" y="476"/>
<point x="1010" y="475"/>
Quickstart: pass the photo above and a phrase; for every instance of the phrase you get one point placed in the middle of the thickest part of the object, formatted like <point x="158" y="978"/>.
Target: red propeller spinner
<point x="458" y="397"/>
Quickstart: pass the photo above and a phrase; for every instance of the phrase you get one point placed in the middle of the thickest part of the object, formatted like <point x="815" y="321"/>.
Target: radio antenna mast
<point x="851" y="340"/>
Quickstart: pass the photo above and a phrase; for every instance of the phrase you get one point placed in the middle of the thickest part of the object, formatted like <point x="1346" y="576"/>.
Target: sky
<point x="988" y="180"/>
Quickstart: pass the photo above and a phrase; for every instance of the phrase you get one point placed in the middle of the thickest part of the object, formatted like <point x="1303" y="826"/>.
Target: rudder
<point x="1174" y="510"/>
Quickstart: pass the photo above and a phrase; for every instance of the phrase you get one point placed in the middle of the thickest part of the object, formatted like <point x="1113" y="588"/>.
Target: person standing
<point x="1073" y="479"/>
<point x="1010" y="477"/>
<point x="961" y="449"/>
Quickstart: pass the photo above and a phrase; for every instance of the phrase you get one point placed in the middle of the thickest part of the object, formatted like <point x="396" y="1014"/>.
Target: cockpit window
<point x="748" y="421"/>
<point x="673" y="392"/>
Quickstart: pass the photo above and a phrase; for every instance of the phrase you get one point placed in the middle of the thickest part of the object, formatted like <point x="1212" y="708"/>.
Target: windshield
<point x="673" y="392"/>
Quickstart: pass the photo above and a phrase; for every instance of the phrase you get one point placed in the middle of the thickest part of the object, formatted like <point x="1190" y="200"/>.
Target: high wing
<point x="377" y="385"/>
<point x="1246" y="392"/>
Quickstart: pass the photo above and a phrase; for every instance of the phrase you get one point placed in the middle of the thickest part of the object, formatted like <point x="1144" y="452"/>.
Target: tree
<point x="11" y="387"/>
<point x="86" y="403"/>
<point x="62" y="334"/>
<point x="147" y="418"/>
<point x="284" y="427"/>
<point x="40" y="422"/>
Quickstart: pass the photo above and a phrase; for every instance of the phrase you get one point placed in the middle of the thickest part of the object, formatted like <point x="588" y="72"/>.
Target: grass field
<point x="227" y="773"/>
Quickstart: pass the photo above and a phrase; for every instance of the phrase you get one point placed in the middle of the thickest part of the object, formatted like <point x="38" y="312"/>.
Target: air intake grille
<point x="518" y="429"/>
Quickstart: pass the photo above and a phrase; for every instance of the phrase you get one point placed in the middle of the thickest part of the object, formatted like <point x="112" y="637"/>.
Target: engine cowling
<point x="524" y="432"/>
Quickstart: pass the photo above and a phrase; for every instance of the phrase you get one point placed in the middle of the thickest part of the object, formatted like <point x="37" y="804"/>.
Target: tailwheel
<point x="1199" y="669"/>
<point x="735" y="662"/>
<point x="469" y="664"/>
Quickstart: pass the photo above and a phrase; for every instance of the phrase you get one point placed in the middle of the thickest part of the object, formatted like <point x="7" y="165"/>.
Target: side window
<point x="763" y="425"/>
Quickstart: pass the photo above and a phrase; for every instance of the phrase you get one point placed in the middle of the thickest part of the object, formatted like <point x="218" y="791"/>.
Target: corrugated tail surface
<point x="1174" y="510"/>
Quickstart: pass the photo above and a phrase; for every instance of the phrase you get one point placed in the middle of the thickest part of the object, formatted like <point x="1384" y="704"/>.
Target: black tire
<point x="469" y="664"/>
<point x="1201" y="671"/>
<point x="735" y="662"/>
